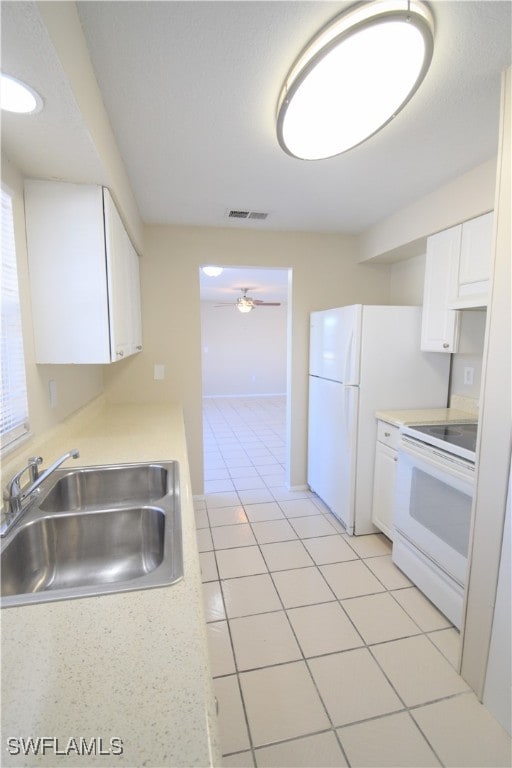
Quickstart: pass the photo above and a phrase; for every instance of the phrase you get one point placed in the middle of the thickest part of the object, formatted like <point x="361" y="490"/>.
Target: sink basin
<point x="96" y="530"/>
<point x="92" y="487"/>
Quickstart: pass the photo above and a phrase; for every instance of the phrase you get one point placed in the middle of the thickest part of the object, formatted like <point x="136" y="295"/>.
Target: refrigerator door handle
<point x="348" y="356"/>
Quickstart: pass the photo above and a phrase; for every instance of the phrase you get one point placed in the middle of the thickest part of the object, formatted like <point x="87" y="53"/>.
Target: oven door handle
<point x="435" y="457"/>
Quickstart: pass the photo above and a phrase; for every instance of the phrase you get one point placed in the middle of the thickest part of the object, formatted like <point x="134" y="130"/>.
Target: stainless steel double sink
<point x="93" y="531"/>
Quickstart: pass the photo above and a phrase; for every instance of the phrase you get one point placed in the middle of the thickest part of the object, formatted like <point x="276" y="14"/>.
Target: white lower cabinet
<point x="84" y="275"/>
<point x="386" y="455"/>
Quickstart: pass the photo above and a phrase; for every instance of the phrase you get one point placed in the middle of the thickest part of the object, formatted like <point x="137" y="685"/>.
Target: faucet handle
<point x="33" y="464"/>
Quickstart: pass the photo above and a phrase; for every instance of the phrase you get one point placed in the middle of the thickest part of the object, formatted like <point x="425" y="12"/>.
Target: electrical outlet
<point x="468" y="376"/>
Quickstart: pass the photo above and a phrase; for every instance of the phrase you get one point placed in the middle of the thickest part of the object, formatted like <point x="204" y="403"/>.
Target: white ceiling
<point x="191" y="90"/>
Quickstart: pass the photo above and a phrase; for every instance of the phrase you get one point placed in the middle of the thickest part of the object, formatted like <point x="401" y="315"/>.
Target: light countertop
<point x="131" y="666"/>
<point x="426" y="416"/>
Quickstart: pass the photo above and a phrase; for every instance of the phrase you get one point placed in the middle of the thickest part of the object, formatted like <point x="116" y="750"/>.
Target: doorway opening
<point x="245" y="329"/>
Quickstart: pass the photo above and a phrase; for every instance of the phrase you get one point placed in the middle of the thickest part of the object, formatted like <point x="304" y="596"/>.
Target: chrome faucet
<point x="15" y="496"/>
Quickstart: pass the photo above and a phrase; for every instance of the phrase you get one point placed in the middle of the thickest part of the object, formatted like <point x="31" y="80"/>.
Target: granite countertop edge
<point x="132" y="666"/>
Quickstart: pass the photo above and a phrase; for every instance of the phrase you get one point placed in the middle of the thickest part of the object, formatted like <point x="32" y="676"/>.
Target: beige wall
<point x="63" y="24"/>
<point x="76" y="385"/>
<point x="325" y="273"/>
<point x="406" y="282"/>
<point x="243" y="353"/>
<point x="403" y="234"/>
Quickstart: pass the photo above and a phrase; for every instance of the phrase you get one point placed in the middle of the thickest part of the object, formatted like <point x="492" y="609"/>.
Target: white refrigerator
<point x="363" y="359"/>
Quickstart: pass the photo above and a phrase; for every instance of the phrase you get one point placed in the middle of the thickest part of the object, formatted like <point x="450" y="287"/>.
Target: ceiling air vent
<point x="233" y="214"/>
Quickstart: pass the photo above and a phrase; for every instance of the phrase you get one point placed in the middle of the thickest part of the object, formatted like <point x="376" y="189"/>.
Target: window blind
<point x="13" y="402"/>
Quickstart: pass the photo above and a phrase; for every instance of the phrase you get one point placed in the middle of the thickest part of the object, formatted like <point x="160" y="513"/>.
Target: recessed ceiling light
<point x="354" y="77"/>
<point x="18" y="97"/>
<point x="213" y="271"/>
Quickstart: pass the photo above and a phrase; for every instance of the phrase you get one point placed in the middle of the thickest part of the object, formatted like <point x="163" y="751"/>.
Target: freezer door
<point x="332" y="428"/>
<point x="334" y="348"/>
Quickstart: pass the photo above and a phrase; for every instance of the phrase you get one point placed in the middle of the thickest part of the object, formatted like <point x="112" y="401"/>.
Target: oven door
<point x="434" y="494"/>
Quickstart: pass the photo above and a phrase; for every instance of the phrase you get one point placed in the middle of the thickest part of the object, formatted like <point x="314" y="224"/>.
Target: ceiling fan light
<point x="244" y="305"/>
<point x="18" y="97"/>
<point x="354" y="77"/>
<point x="212" y="271"/>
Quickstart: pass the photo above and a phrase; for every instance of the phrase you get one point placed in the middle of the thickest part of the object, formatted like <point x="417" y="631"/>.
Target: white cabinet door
<point x="440" y="325"/>
<point x="134" y="301"/>
<point x="472" y="286"/>
<point x="66" y="256"/>
<point x="83" y="275"/>
<point x="119" y="284"/>
<point x="384" y="488"/>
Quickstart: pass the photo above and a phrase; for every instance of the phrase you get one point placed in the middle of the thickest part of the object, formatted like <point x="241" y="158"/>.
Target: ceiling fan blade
<point x="260" y="303"/>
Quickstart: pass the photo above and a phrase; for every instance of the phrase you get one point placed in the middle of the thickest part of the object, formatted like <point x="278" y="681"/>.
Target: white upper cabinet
<point x="84" y="275"/>
<point x="471" y="288"/>
<point x="456" y="277"/>
<point x="440" y="325"/>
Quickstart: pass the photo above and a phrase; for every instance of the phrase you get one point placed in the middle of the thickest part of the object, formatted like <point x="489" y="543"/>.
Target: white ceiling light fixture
<point x="213" y="271"/>
<point x="354" y="77"/>
<point x="18" y="97"/>
<point x="244" y="304"/>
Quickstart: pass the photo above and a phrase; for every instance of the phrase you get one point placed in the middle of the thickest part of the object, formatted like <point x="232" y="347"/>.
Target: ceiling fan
<point x="246" y="303"/>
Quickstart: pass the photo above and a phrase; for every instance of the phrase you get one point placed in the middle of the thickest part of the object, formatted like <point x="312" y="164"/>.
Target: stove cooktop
<point x="458" y="439"/>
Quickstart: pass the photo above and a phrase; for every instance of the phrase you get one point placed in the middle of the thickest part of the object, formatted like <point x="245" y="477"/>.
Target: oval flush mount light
<point x="213" y="271"/>
<point x="18" y="97"/>
<point x="354" y="77"/>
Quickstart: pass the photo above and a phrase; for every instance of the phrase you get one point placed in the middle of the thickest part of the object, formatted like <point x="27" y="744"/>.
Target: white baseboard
<point x="244" y="397"/>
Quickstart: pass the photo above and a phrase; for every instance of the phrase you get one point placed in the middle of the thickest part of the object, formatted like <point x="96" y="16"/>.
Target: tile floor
<point x="322" y="652"/>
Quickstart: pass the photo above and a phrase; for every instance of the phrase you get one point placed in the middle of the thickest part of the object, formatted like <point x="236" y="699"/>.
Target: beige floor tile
<point x="353" y="687"/>
<point x="417" y="670"/>
<point x="282" y="703"/>
<point x="201" y="519"/>
<point x="204" y="540"/>
<point x="387" y="572"/>
<point x="257" y="496"/>
<point x="379" y="618"/>
<point x="372" y="545"/>
<point x="227" y="499"/>
<point x="249" y="595"/>
<point x="199" y="504"/>
<point x="281" y="493"/>
<point x="338" y="527"/>
<point x="240" y="561"/>
<point x="314" y="525"/>
<point x="258" y="513"/>
<point x="351" y="579"/>
<point x="421" y="610"/>
<point x="208" y="566"/>
<point x="221" y="653"/>
<point x="263" y="640"/>
<point x="273" y="530"/>
<point x="329" y="549"/>
<point x="229" y="536"/>
<point x="448" y="642"/>
<point x="298" y="507"/>
<point x="393" y="741"/>
<point x="321" y="750"/>
<point x="463" y="733"/>
<point x="285" y="555"/>
<point x="248" y="483"/>
<point x="213" y="602"/>
<point x="302" y="586"/>
<point x="231" y="719"/>
<point x="323" y="628"/>
<point x="240" y="760"/>
<point x="227" y="516"/>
